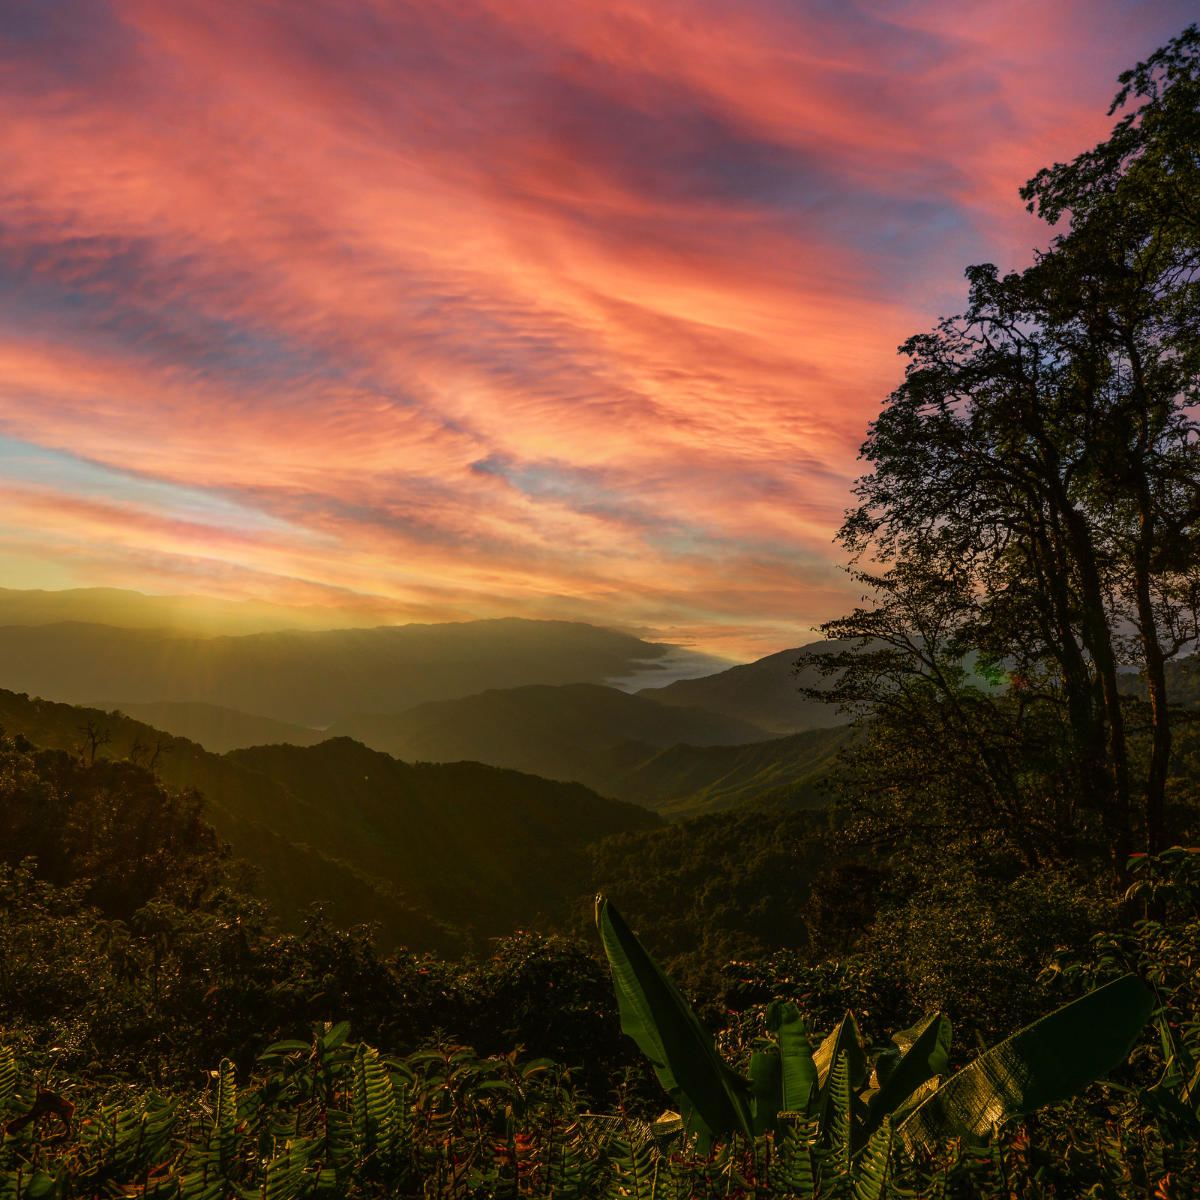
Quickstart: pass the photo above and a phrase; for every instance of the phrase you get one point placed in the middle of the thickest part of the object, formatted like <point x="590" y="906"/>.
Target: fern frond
<point x="284" y="1174"/>
<point x="571" y="1167"/>
<point x="641" y="1172"/>
<point x="372" y="1106"/>
<point x="796" y="1165"/>
<point x="835" y="1117"/>
<point x="8" y="1074"/>
<point x="873" y="1179"/>
<point x="225" y="1136"/>
<point x="139" y="1137"/>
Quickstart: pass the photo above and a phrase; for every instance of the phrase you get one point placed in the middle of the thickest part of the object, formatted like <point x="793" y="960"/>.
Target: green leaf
<point x="286" y="1047"/>
<point x="662" y="1023"/>
<point x="40" y="1185"/>
<point x="800" y="1082"/>
<point x="1050" y="1060"/>
<point x="335" y="1037"/>
<point x="922" y="1052"/>
<point x="766" y="1082"/>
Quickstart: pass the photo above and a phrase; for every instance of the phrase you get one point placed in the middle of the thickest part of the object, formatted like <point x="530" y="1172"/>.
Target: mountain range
<point x="672" y="759"/>
<point x="204" y="615"/>
<point x="311" y="678"/>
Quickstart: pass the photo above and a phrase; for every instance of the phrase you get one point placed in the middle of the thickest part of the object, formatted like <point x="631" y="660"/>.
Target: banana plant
<point x="713" y="1099"/>
<point x="1048" y="1061"/>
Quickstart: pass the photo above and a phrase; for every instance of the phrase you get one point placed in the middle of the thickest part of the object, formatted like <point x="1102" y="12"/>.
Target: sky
<point x="478" y="308"/>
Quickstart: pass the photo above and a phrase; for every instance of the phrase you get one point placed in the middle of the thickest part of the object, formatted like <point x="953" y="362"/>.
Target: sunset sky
<point x="494" y="307"/>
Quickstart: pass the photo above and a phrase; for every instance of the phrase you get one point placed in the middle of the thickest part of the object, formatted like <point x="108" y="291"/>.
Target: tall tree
<point x="1042" y="451"/>
<point x="1123" y="283"/>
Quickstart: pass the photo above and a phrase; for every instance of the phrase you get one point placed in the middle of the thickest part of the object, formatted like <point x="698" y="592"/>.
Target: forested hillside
<point x="559" y="733"/>
<point x="416" y="848"/>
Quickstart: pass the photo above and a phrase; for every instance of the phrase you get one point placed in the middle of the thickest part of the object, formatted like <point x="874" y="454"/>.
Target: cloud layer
<point x="496" y="308"/>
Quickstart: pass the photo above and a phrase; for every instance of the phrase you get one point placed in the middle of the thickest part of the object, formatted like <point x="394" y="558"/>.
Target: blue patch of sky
<point x="587" y="492"/>
<point x="70" y="475"/>
<point x="125" y="292"/>
<point x="80" y="42"/>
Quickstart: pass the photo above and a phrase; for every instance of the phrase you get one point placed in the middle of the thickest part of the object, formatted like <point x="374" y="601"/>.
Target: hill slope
<point x="763" y="693"/>
<point x="310" y="678"/>
<point x="674" y="760"/>
<point x="546" y="730"/>
<point x="213" y="727"/>
<point x="377" y="840"/>
<point x="681" y="781"/>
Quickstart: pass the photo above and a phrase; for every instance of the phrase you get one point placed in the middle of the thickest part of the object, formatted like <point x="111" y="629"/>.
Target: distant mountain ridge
<point x="213" y="727"/>
<point x="202" y="615"/>
<point x="765" y="693"/>
<point x="682" y="781"/>
<point x="311" y="678"/>
<point x="538" y="728"/>
<point x="675" y="760"/>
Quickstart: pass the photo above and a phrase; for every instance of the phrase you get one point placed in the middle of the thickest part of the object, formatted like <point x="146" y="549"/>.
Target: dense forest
<point x="998" y="838"/>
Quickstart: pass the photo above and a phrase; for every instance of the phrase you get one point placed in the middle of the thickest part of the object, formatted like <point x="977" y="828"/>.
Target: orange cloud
<point x="486" y="308"/>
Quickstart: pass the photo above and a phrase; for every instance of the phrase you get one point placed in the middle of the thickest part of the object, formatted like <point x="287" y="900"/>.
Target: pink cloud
<point x="503" y="308"/>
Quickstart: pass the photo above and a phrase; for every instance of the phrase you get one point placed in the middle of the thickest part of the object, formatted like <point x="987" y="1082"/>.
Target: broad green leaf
<point x="335" y="1037"/>
<point x="800" y="1085"/>
<point x="39" y="1184"/>
<point x="922" y="1052"/>
<point x="907" y="1107"/>
<point x="286" y="1047"/>
<point x="766" y="1082"/>
<point x="709" y="1093"/>
<point x="1047" y="1061"/>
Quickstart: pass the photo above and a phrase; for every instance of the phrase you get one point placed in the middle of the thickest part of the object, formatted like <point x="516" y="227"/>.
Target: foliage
<point x="1048" y="1061"/>
<point x="327" y="1117"/>
<point x="162" y="997"/>
<point x="111" y="824"/>
<point x="712" y="888"/>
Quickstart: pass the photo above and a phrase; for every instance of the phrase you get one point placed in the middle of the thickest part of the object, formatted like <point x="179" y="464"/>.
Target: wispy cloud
<point x="496" y="307"/>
